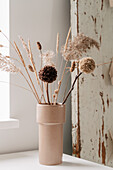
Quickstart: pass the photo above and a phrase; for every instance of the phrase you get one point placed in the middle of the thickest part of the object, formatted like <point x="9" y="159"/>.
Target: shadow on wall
<point x="67" y="139"/>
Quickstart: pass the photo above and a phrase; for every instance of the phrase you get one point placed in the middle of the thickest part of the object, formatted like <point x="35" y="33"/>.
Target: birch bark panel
<point x="95" y="19"/>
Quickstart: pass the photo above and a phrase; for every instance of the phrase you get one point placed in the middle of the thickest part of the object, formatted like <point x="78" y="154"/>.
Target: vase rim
<point x="52" y="105"/>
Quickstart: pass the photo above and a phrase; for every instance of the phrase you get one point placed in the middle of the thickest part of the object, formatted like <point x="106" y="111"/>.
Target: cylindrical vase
<point x="50" y="119"/>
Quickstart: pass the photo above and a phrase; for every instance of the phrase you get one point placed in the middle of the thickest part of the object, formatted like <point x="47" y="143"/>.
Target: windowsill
<point x="9" y="123"/>
<point x="30" y="160"/>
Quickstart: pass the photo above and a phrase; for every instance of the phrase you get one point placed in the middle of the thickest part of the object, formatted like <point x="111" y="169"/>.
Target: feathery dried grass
<point x="24" y="44"/>
<point x="80" y="44"/>
<point x="7" y="65"/>
<point x="22" y="60"/>
<point x="34" y="68"/>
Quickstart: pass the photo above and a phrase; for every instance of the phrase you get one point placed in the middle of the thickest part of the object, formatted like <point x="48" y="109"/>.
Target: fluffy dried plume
<point x="79" y="45"/>
<point x="48" y="57"/>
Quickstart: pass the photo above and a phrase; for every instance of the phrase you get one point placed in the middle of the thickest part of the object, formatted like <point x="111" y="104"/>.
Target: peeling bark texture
<point x="92" y="99"/>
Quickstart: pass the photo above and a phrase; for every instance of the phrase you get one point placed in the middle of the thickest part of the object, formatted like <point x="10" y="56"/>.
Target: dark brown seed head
<point x="48" y="74"/>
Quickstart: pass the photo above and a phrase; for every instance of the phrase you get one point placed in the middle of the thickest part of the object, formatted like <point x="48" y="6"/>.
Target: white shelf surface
<point x="29" y="161"/>
<point x="9" y="123"/>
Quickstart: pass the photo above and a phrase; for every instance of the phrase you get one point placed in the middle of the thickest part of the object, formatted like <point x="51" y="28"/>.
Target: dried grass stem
<point x="34" y="68"/>
<point x="22" y="60"/>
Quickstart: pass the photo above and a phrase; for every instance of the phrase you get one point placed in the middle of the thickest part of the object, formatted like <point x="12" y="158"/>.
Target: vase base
<point x="50" y="164"/>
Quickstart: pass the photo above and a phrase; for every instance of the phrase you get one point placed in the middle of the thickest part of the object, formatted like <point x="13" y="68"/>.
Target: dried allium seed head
<point x="87" y="65"/>
<point x="48" y="74"/>
<point x="73" y="66"/>
<point x="30" y="68"/>
<point x="39" y="45"/>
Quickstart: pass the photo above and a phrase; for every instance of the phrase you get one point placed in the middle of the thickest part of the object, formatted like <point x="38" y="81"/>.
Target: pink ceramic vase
<point x="50" y="119"/>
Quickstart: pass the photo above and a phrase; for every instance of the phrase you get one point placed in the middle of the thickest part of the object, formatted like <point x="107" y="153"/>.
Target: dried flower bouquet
<point x="73" y="50"/>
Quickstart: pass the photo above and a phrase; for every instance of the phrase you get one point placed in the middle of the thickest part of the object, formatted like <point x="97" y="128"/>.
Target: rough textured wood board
<point x="111" y="3"/>
<point x="94" y="19"/>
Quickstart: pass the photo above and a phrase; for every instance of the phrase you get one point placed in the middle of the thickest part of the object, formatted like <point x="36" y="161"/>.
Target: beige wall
<point x="38" y="20"/>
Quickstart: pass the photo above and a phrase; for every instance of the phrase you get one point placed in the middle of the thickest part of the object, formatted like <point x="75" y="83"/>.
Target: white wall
<point x="38" y="20"/>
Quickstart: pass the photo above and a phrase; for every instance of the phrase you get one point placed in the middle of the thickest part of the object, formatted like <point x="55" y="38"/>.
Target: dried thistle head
<point x="39" y="46"/>
<point x="79" y="45"/>
<point x="87" y="65"/>
<point x="7" y="65"/>
<point x="48" y="57"/>
<point x="48" y="74"/>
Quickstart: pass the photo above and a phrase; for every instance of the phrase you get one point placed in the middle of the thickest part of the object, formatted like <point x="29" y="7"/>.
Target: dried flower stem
<point x="29" y="84"/>
<point x="45" y="86"/>
<point x="47" y="91"/>
<point x="60" y="70"/>
<point x="57" y="43"/>
<point x="54" y="99"/>
<point x="8" y="40"/>
<point x="40" y="50"/>
<point x="101" y="64"/>
<point x="67" y="82"/>
<point x="13" y="84"/>
<point x="77" y="76"/>
<point x="65" y="47"/>
<point x="41" y="86"/>
<point x="57" y="49"/>
<point x="12" y="58"/>
<point x="61" y="81"/>
<point x="51" y="93"/>
<point x="34" y="68"/>
<point x="22" y="60"/>
<point x="32" y="61"/>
